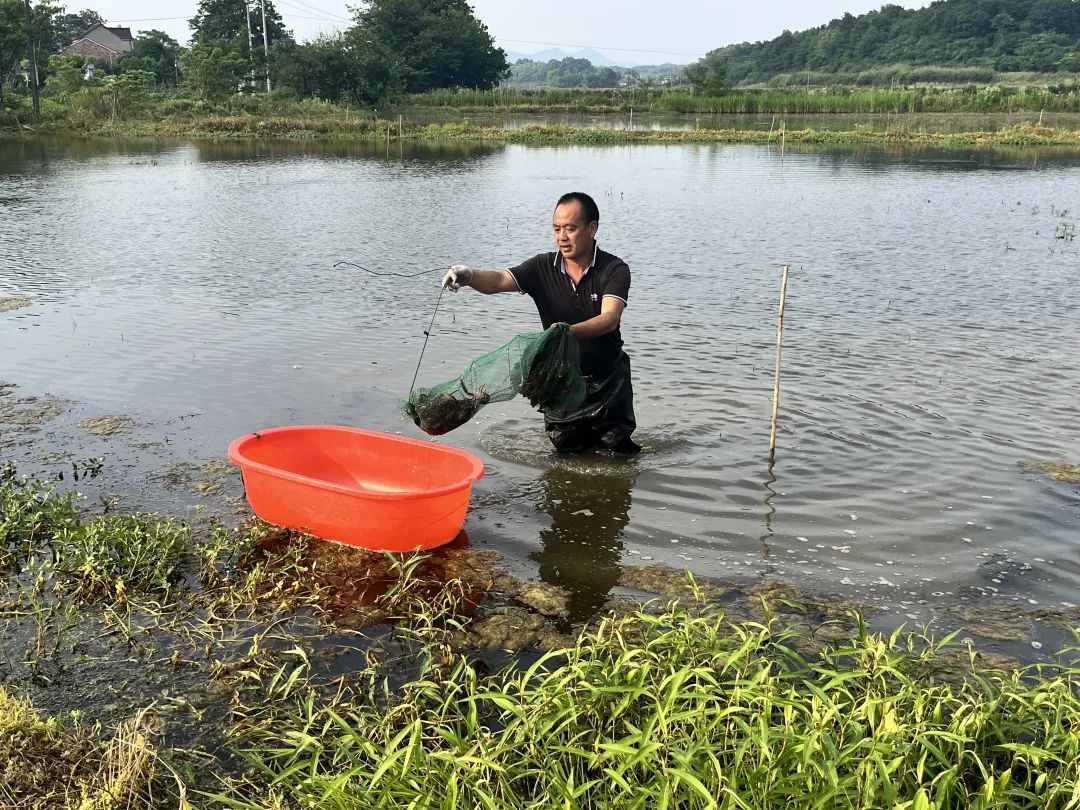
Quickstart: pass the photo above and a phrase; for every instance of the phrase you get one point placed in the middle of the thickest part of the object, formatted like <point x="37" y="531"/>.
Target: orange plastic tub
<point x="360" y="487"/>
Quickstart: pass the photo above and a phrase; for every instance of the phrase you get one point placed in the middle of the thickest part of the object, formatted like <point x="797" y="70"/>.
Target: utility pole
<point x="266" y="43"/>
<point x="251" y="48"/>
<point x="33" y="60"/>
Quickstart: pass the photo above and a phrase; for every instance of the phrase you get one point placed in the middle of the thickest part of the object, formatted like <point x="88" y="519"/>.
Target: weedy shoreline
<point x="317" y="128"/>
<point x="253" y="667"/>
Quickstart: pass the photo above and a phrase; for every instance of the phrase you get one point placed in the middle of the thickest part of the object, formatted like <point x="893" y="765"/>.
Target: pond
<point x="929" y="344"/>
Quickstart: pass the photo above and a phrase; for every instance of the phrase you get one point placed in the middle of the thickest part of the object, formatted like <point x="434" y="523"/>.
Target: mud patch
<point x="8" y="303"/>
<point x="107" y="425"/>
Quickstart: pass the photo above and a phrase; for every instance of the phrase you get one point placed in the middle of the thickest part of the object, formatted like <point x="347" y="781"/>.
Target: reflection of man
<point x="582" y="549"/>
<point x="586" y="287"/>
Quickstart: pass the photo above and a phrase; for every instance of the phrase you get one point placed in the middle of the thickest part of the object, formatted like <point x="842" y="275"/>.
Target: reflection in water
<point x="35" y="154"/>
<point x="770" y="510"/>
<point x="457" y="153"/>
<point x="581" y="550"/>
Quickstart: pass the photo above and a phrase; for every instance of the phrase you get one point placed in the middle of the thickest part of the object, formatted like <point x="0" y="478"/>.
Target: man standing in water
<point x="586" y="287"/>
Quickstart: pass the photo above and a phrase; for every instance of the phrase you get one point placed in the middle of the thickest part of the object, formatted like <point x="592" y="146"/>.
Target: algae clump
<point x="1055" y="470"/>
<point x="107" y="425"/>
<point x="15" y="302"/>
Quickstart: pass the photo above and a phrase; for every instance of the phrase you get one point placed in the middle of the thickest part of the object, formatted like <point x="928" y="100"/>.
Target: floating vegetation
<point x="107" y="425"/>
<point x="512" y="629"/>
<point x="215" y="476"/>
<point x="211" y="478"/>
<point x="8" y="303"/>
<point x="1069" y="473"/>
<point x="103" y="556"/>
<point x="666" y="581"/>
<point x="1000" y="623"/>
<point x="23" y="415"/>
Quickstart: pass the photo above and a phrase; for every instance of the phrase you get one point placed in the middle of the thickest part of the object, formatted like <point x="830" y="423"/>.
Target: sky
<point x="627" y="31"/>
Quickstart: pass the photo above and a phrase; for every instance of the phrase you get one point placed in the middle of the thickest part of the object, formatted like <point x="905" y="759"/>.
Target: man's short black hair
<point x="588" y="205"/>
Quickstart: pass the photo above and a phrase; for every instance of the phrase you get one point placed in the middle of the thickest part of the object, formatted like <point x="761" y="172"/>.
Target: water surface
<point x="931" y="338"/>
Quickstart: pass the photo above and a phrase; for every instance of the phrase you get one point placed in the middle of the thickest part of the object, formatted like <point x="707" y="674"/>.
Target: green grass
<point x="680" y="710"/>
<point x="834" y="100"/>
<point x="111" y="555"/>
<point x="106" y="556"/>
<point x="30" y="513"/>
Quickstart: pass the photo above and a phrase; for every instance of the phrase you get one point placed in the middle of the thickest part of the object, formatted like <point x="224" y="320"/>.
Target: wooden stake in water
<point x="776" y="380"/>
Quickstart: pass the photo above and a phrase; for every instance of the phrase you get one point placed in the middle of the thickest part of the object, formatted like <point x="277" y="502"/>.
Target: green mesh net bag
<point x="544" y="367"/>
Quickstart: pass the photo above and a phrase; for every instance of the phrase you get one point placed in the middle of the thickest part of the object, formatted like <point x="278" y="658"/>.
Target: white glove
<point x="459" y="276"/>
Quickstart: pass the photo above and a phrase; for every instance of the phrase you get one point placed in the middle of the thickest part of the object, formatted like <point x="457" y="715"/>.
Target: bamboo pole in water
<point x="776" y="379"/>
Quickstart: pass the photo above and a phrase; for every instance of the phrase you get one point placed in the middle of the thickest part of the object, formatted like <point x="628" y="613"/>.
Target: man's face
<point x="573" y="235"/>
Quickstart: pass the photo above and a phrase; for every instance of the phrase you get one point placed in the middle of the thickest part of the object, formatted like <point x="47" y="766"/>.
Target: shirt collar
<point x="560" y="265"/>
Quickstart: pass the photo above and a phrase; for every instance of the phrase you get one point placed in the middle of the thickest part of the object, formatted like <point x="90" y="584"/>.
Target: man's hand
<point x="459" y="276"/>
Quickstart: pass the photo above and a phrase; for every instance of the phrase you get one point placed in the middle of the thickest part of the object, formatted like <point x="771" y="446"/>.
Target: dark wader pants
<point x="605" y="420"/>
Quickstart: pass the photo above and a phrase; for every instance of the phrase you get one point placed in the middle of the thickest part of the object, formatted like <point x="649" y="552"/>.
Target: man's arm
<point x="608" y="320"/>
<point x="483" y="281"/>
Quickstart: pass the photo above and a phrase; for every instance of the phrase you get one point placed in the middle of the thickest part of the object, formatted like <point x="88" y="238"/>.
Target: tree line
<point x="573" y="71"/>
<point x="398" y="47"/>
<point x="394" y="47"/>
<point x="1001" y="35"/>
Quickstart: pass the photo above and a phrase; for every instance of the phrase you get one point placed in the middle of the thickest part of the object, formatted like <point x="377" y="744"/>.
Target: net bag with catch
<point x="544" y="367"/>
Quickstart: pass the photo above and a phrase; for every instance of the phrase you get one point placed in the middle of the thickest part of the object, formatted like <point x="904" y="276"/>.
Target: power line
<point x="301" y="5"/>
<point x="151" y="19"/>
<point x="165" y="19"/>
<point x="330" y="17"/>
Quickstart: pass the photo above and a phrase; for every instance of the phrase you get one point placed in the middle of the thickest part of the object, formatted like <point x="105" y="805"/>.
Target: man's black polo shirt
<point x="559" y="300"/>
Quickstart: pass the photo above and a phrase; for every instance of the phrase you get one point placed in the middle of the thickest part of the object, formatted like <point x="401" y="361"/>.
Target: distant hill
<point x="558" y="54"/>
<point x="1004" y="35"/>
